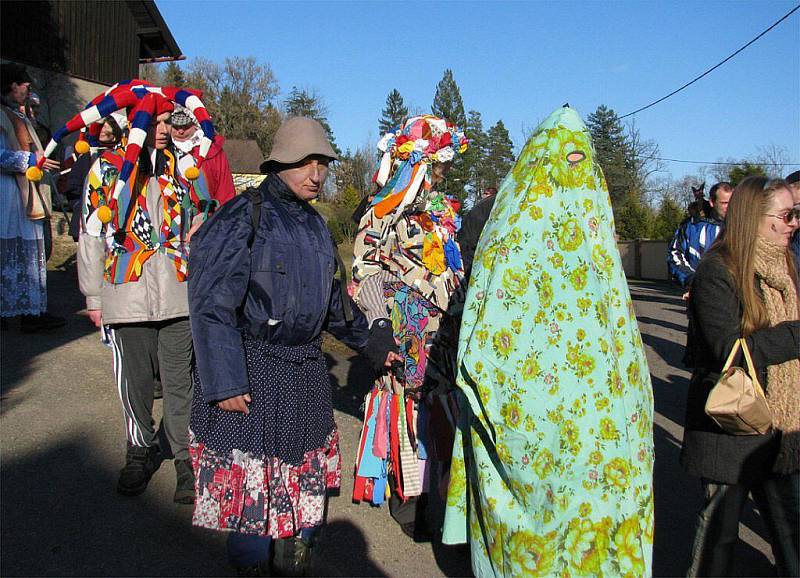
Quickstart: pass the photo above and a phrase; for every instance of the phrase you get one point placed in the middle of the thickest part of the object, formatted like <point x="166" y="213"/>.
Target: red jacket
<point x="217" y="171"/>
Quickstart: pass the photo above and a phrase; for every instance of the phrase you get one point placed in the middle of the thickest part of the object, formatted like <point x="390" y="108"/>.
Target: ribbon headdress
<point x="408" y="153"/>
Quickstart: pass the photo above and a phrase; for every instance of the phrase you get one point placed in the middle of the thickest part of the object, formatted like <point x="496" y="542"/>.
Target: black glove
<point x="379" y="344"/>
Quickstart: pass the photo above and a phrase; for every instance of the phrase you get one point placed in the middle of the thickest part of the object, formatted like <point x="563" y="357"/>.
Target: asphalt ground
<point x="63" y="444"/>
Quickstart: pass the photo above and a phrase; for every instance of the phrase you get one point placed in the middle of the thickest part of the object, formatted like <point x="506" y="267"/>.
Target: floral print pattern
<point x="552" y="468"/>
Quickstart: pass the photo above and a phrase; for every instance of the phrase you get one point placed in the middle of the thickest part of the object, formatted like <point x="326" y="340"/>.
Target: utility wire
<point x="725" y="163"/>
<point x="713" y="68"/>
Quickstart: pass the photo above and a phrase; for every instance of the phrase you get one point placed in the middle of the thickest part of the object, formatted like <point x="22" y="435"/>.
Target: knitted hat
<point x="297" y="138"/>
<point x="141" y="100"/>
<point x="181" y="116"/>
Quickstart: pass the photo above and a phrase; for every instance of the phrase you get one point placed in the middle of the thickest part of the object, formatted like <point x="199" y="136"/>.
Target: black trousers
<point x="778" y="501"/>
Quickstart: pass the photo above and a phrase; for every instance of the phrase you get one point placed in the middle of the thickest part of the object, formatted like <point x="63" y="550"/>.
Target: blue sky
<point x="517" y="61"/>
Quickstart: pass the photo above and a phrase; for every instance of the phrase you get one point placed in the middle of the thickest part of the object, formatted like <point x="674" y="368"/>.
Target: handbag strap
<point x="732" y="355"/>
<point x="751" y="369"/>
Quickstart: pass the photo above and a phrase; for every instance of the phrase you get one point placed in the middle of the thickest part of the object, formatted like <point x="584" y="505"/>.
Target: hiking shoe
<point x="184" y="490"/>
<point x="39" y="323"/>
<point x="292" y="557"/>
<point x="140" y="465"/>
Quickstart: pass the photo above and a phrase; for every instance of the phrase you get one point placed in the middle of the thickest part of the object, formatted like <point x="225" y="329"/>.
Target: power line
<point x="730" y="163"/>
<point x="713" y="68"/>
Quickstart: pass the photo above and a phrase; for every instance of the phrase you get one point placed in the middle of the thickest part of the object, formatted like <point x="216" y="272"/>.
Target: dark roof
<point x="155" y="39"/>
<point x="244" y="156"/>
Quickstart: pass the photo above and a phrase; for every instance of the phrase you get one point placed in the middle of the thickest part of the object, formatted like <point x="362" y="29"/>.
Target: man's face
<point x="158" y="133"/>
<point x="19" y="92"/>
<point x="720" y="205"/>
<point x="305" y="179"/>
<point x="183" y="133"/>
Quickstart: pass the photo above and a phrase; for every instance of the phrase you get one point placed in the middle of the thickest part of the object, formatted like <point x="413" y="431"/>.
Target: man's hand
<point x="96" y="315"/>
<point x="49" y="164"/>
<point x="197" y="222"/>
<point x="391" y="357"/>
<point x="236" y="403"/>
<point x="685" y="296"/>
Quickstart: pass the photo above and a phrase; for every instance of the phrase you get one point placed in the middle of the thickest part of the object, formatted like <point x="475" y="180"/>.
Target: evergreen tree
<point x="173" y="75"/>
<point x="667" y="220"/>
<point x="475" y="155"/>
<point x="447" y="104"/>
<point x="308" y="103"/>
<point x="738" y="173"/>
<point x="499" y="154"/>
<point x="611" y="148"/>
<point x="393" y="114"/>
<point x="633" y="219"/>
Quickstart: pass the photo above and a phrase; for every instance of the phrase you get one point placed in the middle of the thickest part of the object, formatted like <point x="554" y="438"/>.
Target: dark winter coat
<point x="715" y="314"/>
<point x="282" y="290"/>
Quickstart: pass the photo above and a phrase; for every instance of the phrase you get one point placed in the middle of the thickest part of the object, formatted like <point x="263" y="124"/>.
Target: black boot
<point x="184" y="490"/>
<point x="140" y="465"/>
<point x="292" y="557"/>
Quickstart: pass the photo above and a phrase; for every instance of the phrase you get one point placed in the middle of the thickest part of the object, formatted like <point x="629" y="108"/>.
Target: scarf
<point x="779" y="292"/>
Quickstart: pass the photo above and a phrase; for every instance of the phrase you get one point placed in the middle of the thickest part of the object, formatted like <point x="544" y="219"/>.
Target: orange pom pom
<point x="192" y="173"/>
<point x="81" y="147"/>
<point x="34" y="174"/>
<point x="104" y="214"/>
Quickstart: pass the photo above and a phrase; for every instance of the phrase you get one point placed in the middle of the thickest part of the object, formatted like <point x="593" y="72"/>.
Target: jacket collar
<point x="278" y="189"/>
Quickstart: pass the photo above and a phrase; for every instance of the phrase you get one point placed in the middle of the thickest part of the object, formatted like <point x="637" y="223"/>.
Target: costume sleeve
<point x="224" y="190"/>
<point x="92" y="244"/>
<point x="219" y="271"/>
<point x="679" y="267"/>
<point x="12" y="161"/>
<point x="354" y="334"/>
<point x="716" y="308"/>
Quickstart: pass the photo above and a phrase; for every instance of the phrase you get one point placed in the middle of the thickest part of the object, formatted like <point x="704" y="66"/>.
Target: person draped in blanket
<point x="552" y="468"/>
<point x="407" y="265"/>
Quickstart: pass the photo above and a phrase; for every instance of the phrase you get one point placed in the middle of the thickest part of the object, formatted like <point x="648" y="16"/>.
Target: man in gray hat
<point x="261" y="291"/>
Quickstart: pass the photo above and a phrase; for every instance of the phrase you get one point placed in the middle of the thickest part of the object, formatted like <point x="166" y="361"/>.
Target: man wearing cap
<point x="263" y="440"/>
<point x="132" y="268"/>
<point x="186" y="137"/>
<point x="25" y="211"/>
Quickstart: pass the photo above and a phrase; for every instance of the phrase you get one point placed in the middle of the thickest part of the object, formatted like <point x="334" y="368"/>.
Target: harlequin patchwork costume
<point x="407" y="265"/>
<point x="552" y="475"/>
<point x="133" y="266"/>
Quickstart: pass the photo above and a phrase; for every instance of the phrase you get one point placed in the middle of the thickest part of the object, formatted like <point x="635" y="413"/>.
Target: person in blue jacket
<point x="695" y="235"/>
<point x="263" y="441"/>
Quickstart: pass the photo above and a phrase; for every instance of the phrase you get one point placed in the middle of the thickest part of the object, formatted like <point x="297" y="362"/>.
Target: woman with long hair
<point x="745" y="287"/>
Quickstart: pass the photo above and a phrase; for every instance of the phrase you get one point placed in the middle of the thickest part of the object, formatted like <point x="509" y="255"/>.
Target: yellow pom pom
<point x="192" y="173"/>
<point x="34" y="174"/>
<point x="104" y="214"/>
<point x="81" y="147"/>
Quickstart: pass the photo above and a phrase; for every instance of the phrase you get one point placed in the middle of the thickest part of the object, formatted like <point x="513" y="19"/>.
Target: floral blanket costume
<point x="552" y="472"/>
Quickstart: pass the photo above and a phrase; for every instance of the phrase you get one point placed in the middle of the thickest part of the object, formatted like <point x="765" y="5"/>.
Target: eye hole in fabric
<point x="575" y="157"/>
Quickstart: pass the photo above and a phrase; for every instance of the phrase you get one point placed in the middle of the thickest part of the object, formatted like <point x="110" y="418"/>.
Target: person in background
<point x="264" y="444"/>
<point x="110" y="136"/>
<point x="23" y="276"/>
<point x="695" y="235"/>
<point x="186" y="135"/>
<point x="745" y="286"/>
<point x="793" y="180"/>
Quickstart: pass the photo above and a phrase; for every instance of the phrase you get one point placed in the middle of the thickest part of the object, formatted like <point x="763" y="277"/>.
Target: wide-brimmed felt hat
<point x="297" y="138"/>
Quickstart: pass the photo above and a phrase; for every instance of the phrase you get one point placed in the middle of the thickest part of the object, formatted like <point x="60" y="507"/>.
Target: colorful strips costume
<point x="552" y="470"/>
<point x="407" y="259"/>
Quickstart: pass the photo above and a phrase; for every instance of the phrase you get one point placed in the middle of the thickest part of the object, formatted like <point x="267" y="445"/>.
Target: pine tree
<point x="307" y="103"/>
<point x="738" y="173"/>
<point x="499" y="154"/>
<point x="173" y="75"/>
<point x="669" y="217"/>
<point x="474" y="157"/>
<point x="393" y="114"/>
<point x="611" y="148"/>
<point x="447" y="104"/>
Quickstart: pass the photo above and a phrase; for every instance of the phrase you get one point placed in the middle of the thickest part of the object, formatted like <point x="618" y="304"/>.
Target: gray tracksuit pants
<point x="143" y="351"/>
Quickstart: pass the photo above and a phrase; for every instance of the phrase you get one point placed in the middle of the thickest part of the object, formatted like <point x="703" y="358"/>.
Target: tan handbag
<point x="737" y="402"/>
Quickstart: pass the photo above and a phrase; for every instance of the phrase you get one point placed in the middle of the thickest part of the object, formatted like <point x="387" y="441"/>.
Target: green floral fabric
<point x="552" y="468"/>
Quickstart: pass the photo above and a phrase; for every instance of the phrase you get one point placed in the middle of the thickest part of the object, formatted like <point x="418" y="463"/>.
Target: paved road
<point x="63" y="444"/>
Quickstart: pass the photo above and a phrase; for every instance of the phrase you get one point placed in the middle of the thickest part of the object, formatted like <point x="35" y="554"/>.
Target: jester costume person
<point x="407" y="265"/>
<point x="133" y="265"/>
<point x="552" y="470"/>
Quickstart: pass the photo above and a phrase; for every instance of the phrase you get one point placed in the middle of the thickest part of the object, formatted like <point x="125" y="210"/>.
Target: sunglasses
<point x="789" y="216"/>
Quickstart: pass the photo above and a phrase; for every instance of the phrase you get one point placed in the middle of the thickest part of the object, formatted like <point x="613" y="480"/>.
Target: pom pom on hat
<point x="34" y="174"/>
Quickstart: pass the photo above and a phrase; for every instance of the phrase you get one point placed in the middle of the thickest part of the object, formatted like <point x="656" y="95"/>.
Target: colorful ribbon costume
<point x="406" y="252"/>
<point x="552" y="470"/>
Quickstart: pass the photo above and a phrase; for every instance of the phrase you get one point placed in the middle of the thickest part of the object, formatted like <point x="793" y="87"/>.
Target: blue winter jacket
<point x="692" y="238"/>
<point x="281" y="290"/>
